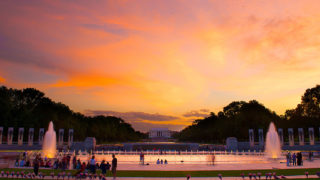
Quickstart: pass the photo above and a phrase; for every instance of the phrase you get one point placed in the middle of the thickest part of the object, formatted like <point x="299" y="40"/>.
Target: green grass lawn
<point x="225" y="173"/>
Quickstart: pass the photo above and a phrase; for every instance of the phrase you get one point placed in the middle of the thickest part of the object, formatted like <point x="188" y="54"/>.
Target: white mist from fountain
<point x="49" y="142"/>
<point x="273" y="147"/>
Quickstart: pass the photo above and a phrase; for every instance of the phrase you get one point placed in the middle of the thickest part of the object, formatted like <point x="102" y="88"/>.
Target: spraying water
<point x="273" y="148"/>
<point x="49" y="142"/>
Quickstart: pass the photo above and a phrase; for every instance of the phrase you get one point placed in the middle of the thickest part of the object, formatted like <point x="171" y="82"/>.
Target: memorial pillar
<point x="1" y="132"/>
<point x="301" y="136"/>
<point x="30" y="136"/>
<point x="61" y="133"/>
<point x="251" y="138"/>
<point x="311" y="135"/>
<point x="10" y="135"/>
<point x="261" y="138"/>
<point x="291" y="137"/>
<point x="41" y="135"/>
<point x="70" y="138"/>
<point x="20" y="136"/>
<point x="280" y="133"/>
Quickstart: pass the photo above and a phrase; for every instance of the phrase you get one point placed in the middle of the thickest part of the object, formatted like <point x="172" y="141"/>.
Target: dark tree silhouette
<point x="30" y="108"/>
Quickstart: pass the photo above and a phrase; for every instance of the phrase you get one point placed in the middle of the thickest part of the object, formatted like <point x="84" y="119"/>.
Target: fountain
<point x="49" y="142"/>
<point x="273" y="148"/>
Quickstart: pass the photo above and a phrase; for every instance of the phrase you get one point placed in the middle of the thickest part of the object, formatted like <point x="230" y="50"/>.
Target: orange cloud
<point x="2" y="80"/>
<point x="161" y="56"/>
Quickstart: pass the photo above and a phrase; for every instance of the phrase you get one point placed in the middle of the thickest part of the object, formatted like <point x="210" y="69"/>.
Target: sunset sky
<point x="161" y="63"/>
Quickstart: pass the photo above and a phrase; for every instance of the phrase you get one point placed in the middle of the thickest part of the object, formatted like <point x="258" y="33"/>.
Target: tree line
<point x="29" y="108"/>
<point x="239" y="116"/>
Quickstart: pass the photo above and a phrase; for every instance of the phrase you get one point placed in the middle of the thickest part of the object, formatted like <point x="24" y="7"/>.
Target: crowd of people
<point x="93" y="165"/>
<point x="64" y="163"/>
<point x="25" y="161"/>
<point x="294" y="159"/>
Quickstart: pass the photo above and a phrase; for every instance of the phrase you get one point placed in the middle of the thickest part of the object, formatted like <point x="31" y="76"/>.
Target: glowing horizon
<point x="161" y="63"/>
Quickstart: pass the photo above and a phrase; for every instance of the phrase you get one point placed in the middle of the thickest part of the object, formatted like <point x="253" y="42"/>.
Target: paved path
<point x="206" y="178"/>
<point x="177" y="178"/>
<point x="204" y="167"/>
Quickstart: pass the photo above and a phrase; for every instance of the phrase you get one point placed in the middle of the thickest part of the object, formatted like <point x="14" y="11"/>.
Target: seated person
<point x="16" y="164"/>
<point x="158" y="161"/>
<point x="165" y="161"/>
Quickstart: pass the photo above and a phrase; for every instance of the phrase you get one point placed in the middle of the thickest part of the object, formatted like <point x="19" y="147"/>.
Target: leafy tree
<point x="30" y="108"/>
<point x="235" y="120"/>
<point x="307" y="113"/>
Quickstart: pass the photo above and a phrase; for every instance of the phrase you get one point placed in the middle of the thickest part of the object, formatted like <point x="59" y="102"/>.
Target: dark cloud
<point x="197" y="113"/>
<point x="140" y="120"/>
<point x="22" y="53"/>
<point x="109" y="28"/>
<point x="133" y="116"/>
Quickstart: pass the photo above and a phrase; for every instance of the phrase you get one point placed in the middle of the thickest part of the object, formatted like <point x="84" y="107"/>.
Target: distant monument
<point x="301" y="136"/>
<point x="291" y="137"/>
<point x="159" y="134"/>
<point x="251" y="138"/>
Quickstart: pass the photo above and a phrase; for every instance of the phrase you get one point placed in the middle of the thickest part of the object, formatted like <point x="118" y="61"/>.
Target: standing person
<point x="288" y="160"/>
<point x="294" y="159"/>
<point x="103" y="167"/>
<point x="213" y="158"/>
<point x="108" y="167"/>
<point x="74" y="162"/>
<point x="142" y="158"/>
<point x="64" y="163"/>
<point x="36" y="166"/>
<point x="114" y="166"/>
<point x="310" y="156"/>
<point x="93" y="165"/>
<point x="299" y="158"/>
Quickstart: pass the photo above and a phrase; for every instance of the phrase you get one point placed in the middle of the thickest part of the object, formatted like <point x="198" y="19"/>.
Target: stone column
<point x="311" y="135"/>
<point x="20" y="136"/>
<point x="280" y="133"/>
<point x="251" y="138"/>
<point x="1" y="131"/>
<point x="30" y="137"/>
<point x="61" y="133"/>
<point x="261" y="138"/>
<point x="291" y="137"/>
<point x="70" y="138"/>
<point x="301" y="136"/>
<point x="41" y="135"/>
